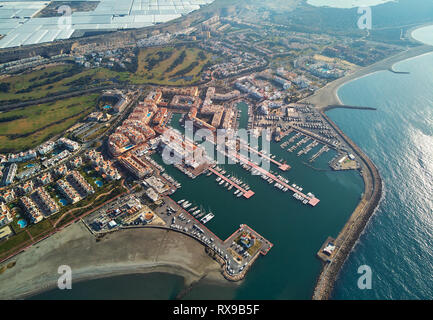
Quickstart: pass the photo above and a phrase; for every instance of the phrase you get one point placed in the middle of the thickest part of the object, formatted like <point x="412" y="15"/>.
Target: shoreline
<point x="349" y="236"/>
<point x="328" y="95"/>
<point x="188" y="276"/>
<point x="149" y="251"/>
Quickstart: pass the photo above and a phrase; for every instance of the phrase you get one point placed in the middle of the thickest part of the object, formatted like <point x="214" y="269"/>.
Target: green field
<point x="165" y="66"/>
<point x="28" y="127"/>
<point x="168" y="65"/>
<point x="52" y="80"/>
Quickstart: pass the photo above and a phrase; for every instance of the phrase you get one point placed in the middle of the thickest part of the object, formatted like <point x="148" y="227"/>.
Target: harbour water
<point x="297" y="231"/>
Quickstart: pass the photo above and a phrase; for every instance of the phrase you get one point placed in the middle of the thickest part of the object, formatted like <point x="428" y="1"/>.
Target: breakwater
<point x="335" y="106"/>
<point x="356" y="223"/>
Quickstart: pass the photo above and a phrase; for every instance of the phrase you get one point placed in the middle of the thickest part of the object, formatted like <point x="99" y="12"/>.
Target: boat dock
<point x="281" y="166"/>
<point x="308" y="148"/>
<point x="296" y="136"/>
<point x="236" y="254"/>
<point x="245" y="193"/>
<point x="317" y="137"/>
<point x="303" y="141"/>
<point x="319" y="153"/>
<point x="313" y="201"/>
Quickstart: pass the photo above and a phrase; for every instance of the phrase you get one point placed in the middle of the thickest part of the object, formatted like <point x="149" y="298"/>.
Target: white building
<point x="5" y="214"/>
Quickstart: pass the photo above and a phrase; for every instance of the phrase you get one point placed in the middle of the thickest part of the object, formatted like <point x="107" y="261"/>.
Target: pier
<point x="236" y="254"/>
<point x="281" y="166"/>
<point x="245" y="193"/>
<point x="313" y="201"/>
<point x="330" y="107"/>
<point x="319" y="153"/>
<point x="308" y="148"/>
<point x="298" y="144"/>
<point x="316" y="137"/>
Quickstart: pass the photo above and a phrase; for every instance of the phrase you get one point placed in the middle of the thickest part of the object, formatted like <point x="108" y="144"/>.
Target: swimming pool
<point x="22" y="223"/>
<point x="99" y="183"/>
<point x="64" y="202"/>
<point x="129" y="147"/>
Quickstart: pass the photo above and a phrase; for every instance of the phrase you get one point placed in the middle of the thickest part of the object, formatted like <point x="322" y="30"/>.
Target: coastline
<point x="328" y="95"/>
<point x="349" y="236"/>
<point x="148" y="251"/>
<point x="355" y="226"/>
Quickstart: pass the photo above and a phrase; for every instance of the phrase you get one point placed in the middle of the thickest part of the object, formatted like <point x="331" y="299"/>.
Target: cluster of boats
<point x="155" y="164"/>
<point x="229" y="186"/>
<point x="297" y="196"/>
<point x="296" y="146"/>
<point x="185" y="171"/>
<point x="308" y="148"/>
<point x="171" y="180"/>
<point x="196" y="212"/>
<point x="270" y="155"/>
<point x="281" y="187"/>
<point x="297" y="187"/>
<point x="286" y="143"/>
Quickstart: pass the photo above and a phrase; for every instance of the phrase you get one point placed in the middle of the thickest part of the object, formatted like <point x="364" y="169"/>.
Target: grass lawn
<point x="153" y="66"/>
<point x="13" y="242"/>
<point x="28" y="127"/>
<point x="53" y="80"/>
<point x="40" y="228"/>
<point x="158" y="65"/>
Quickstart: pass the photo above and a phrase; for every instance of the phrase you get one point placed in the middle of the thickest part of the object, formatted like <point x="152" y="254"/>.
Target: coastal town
<point x="134" y="98"/>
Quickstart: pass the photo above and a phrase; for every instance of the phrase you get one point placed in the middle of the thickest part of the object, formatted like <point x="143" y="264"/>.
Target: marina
<point x="236" y="254"/>
<point x="319" y="153"/>
<point x="241" y="191"/>
<point x="311" y="199"/>
<point x="281" y="166"/>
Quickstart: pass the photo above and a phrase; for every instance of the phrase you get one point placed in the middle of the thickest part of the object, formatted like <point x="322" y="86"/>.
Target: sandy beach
<point x="124" y="252"/>
<point x="328" y="95"/>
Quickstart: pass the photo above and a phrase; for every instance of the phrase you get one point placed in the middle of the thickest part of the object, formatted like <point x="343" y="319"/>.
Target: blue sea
<point x="398" y="137"/>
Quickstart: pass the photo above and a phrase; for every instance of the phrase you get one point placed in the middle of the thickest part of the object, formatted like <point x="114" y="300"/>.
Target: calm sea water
<point x="398" y="242"/>
<point x="154" y="286"/>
